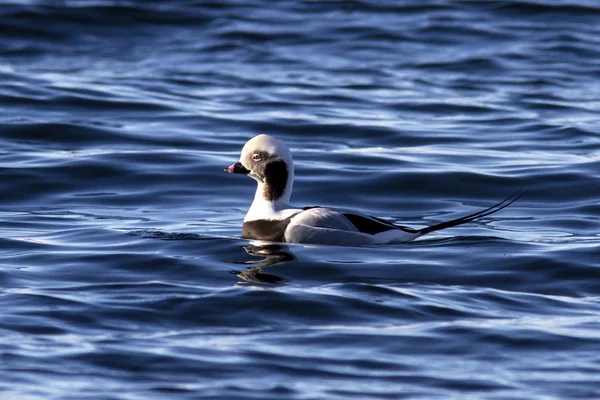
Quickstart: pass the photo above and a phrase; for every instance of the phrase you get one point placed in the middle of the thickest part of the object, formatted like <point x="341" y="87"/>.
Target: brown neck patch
<point x="276" y="176"/>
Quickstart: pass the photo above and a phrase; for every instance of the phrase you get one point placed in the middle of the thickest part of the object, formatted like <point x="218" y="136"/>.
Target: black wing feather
<point x="370" y="225"/>
<point x="373" y="225"/>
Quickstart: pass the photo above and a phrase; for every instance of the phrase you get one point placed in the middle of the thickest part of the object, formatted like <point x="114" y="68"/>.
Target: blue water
<point x="122" y="270"/>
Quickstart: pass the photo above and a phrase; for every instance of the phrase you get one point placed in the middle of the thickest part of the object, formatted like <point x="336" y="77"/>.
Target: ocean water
<point x="122" y="271"/>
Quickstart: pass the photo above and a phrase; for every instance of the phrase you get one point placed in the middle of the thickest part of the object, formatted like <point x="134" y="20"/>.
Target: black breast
<point x="272" y="230"/>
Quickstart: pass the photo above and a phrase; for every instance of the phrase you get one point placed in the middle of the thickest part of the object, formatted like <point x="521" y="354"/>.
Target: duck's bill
<point x="237" y="168"/>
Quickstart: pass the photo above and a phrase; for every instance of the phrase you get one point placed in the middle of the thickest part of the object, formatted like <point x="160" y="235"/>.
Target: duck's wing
<point x="322" y="225"/>
<point x="380" y="230"/>
<point x="339" y="218"/>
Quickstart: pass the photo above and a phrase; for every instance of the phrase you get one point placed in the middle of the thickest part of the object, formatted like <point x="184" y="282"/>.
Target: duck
<point x="271" y="218"/>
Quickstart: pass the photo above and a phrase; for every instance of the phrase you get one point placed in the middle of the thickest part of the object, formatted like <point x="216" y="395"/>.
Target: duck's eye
<point x="256" y="157"/>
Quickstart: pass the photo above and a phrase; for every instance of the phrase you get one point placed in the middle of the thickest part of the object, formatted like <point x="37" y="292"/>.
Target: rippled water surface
<point x="122" y="270"/>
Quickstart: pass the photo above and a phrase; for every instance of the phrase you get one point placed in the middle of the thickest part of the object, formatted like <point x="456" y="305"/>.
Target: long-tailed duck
<point x="271" y="218"/>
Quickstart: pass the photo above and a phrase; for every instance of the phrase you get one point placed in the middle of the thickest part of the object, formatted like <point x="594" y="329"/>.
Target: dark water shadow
<point x="268" y="255"/>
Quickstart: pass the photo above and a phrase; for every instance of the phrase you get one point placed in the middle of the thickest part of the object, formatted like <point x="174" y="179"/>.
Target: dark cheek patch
<point x="276" y="176"/>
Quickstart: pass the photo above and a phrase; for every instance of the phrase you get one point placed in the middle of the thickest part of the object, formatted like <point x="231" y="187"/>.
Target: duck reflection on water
<point x="268" y="255"/>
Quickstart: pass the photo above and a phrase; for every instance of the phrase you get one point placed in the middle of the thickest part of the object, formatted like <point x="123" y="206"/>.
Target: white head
<point x="269" y="162"/>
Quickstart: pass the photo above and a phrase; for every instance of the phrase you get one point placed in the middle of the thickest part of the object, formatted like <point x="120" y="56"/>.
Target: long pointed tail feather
<point x="484" y="213"/>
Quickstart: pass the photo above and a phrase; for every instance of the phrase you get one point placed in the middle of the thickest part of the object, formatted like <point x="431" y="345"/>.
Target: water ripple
<point x="123" y="274"/>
